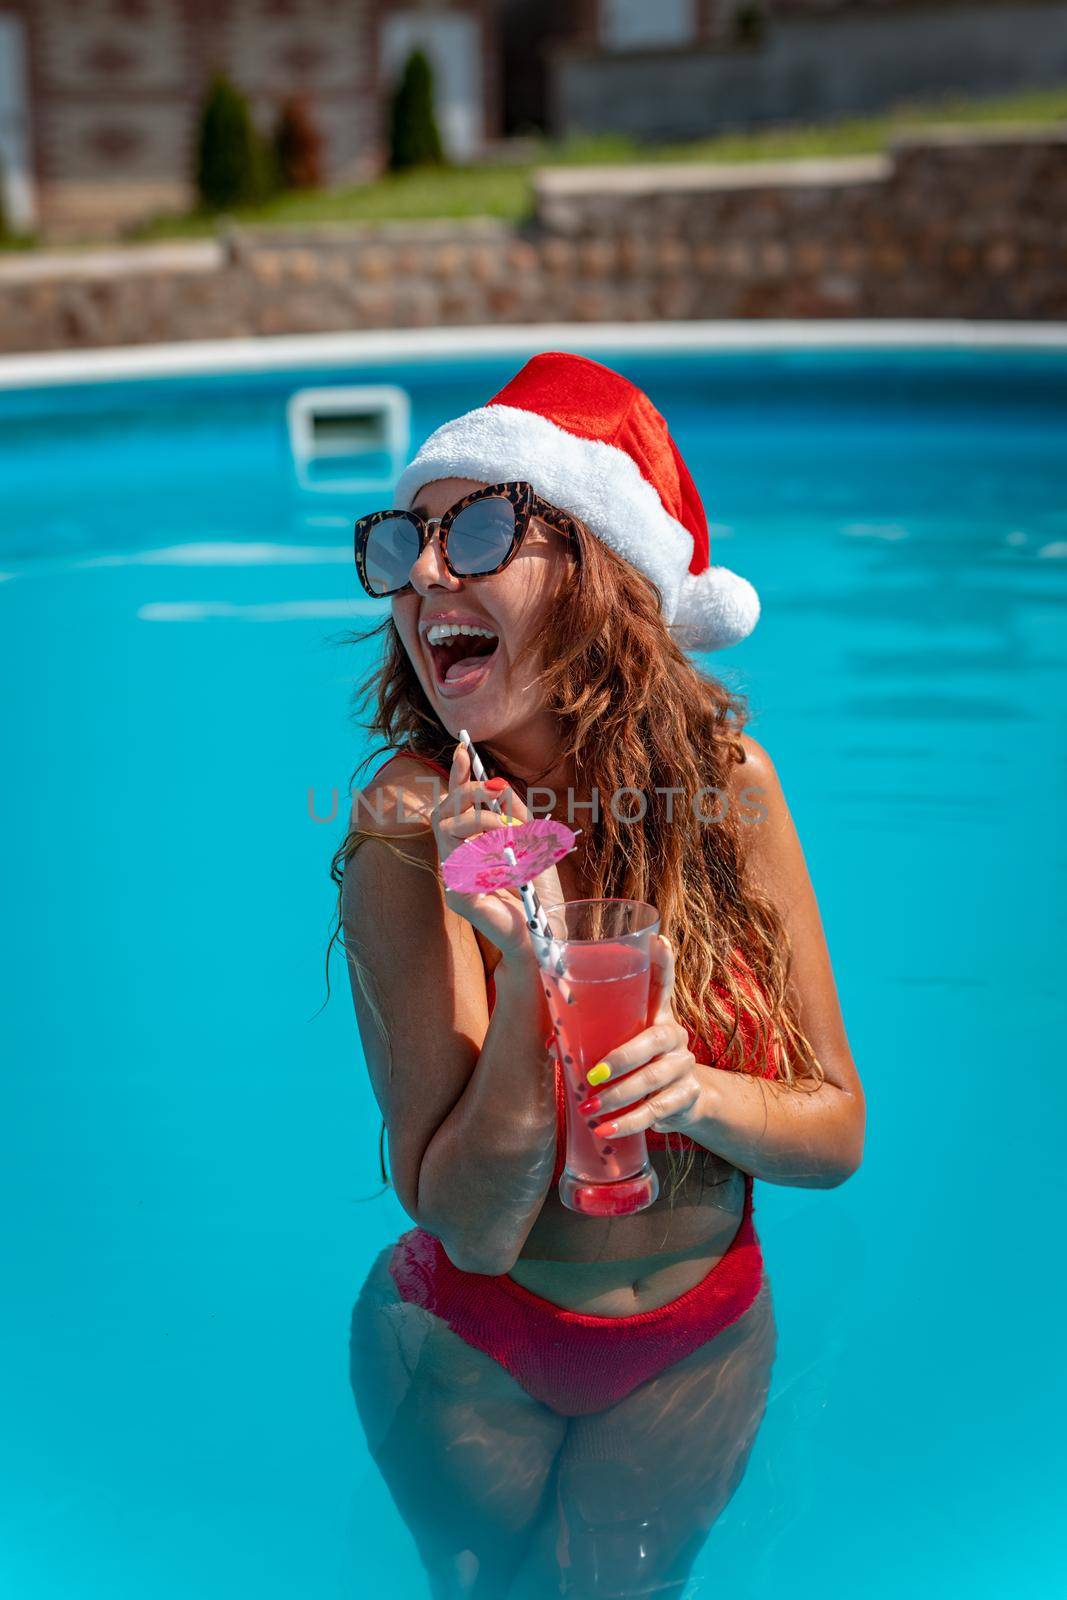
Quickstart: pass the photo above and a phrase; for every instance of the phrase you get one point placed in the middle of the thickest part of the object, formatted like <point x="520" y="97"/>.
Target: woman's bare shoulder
<point x="398" y="799"/>
<point x="753" y="782"/>
<point x="772" y="848"/>
<point x="757" y="763"/>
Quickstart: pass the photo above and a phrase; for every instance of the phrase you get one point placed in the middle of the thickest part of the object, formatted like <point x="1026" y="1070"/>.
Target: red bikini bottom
<point x="570" y="1361"/>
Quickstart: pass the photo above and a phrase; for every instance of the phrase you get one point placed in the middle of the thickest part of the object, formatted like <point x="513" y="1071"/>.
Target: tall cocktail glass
<point x="598" y="1002"/>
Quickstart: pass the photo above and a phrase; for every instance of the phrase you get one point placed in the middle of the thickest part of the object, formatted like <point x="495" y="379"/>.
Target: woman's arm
<point x="807" y="1135"/>
<point x="807" y="1138"/>
<point x="488" y="1168"/>
<point x="468" y="1100"/>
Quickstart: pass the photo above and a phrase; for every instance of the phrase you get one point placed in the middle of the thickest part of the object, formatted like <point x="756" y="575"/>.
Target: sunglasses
<point x="479" y="535"/>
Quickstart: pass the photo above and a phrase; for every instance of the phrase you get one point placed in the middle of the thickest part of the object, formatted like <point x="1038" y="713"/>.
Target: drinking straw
<point x="478" y="770"/>
<point x="536" y="920"/>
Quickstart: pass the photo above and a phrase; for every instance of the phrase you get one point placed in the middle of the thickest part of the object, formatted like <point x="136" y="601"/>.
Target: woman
<point x="563" y="1404"/>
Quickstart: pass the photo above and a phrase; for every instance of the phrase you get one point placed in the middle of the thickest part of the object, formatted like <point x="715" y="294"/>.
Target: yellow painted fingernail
<point x="598" y="1074"/>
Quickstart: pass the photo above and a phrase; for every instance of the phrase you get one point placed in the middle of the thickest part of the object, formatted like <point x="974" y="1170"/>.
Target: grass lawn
<point x="501" y="190"/>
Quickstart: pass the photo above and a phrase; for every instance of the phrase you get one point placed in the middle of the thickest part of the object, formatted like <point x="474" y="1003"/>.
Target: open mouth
<point x="459" y="657"/>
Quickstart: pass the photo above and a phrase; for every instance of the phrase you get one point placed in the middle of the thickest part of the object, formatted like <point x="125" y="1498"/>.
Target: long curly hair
<point x="633" y="713"/>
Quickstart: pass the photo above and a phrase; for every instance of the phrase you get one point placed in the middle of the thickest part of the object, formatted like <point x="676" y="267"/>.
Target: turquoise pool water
<point x="189" y="1145"/>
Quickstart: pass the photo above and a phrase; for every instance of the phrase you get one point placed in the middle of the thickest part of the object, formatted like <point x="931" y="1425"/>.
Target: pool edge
<point x="270" y="352"/>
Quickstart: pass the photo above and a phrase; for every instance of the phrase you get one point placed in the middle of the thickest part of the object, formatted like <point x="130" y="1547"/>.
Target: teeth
<point x="440" y="631"/>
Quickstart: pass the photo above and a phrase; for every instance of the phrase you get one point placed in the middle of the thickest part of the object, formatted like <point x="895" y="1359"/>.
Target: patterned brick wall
<point x="115" y="86"/>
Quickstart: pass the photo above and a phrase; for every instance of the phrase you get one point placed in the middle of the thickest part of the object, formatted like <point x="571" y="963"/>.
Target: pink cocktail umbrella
<point x="505" y="858"/>
<point x="536" y="920"/>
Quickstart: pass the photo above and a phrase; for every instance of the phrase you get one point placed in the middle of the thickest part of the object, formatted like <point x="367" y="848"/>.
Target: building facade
<point x="99" y="98"/>
<point x="682" y="69"/>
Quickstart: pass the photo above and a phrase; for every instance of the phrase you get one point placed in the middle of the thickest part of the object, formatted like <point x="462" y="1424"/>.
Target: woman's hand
<point x="661" y="1070"/>
<point x="464" y="812"/>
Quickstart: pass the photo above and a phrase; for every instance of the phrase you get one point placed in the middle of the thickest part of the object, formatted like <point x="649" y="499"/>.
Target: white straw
<point x="534" y="910"/>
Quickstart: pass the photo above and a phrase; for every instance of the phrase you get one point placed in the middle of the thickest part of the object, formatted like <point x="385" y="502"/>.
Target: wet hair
<point x="633" y="712"/>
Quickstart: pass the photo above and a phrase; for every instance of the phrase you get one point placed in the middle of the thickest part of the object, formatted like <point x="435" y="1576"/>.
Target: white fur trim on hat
<point x="605" y="488"/>
<point x="716" y="608"/>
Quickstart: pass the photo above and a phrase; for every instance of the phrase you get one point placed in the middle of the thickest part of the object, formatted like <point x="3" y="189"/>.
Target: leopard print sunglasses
<point x="479" y="535"/>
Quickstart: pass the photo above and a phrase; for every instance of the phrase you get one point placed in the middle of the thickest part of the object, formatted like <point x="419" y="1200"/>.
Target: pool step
<point x="351" y="439"/>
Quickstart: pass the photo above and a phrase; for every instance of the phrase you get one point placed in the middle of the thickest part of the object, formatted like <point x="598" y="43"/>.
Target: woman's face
<point x="482" y="693"/>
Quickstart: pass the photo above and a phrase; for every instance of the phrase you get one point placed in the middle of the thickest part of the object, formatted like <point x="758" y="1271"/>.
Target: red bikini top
<point x="704" y="1050"/>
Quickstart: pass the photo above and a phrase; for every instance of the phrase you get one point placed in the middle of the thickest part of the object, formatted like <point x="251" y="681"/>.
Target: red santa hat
<point x="592" y="443"/>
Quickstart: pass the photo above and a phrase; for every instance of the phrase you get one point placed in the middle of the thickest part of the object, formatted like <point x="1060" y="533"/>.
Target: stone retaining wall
<point x="944" y="227"/>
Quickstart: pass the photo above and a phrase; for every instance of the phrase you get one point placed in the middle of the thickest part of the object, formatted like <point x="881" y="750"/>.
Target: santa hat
<point x="592" y="443"/>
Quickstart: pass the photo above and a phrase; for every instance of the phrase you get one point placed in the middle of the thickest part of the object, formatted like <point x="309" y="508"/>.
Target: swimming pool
<point x="189" y="1173"/>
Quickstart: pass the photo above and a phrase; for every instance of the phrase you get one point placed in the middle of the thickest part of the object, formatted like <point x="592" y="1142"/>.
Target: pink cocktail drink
<point x="598" y="1003"/>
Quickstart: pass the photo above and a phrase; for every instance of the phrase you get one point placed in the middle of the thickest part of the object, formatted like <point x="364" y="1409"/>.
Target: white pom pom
<point x="715" y="608"/>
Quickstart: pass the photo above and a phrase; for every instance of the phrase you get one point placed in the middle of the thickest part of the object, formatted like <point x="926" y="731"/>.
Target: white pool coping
<point x="384" y="345"/>
<point x="836" y="172"/>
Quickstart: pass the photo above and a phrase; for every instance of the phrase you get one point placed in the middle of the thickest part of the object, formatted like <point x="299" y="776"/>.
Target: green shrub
<point x="414" y="140"/>
<point x="297" y="146"/>
<point x="750" y="23"/>
<point x="233" y="165"/>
